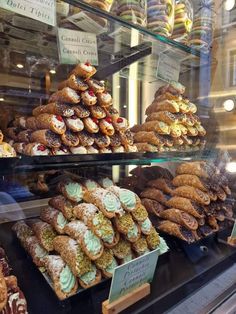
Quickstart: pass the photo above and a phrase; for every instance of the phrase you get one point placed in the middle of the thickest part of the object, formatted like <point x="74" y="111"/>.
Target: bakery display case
<point x="117" y="139"/>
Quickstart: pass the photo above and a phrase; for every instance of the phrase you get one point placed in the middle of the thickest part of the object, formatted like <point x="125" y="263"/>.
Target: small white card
<point x="168" y="69"/>
<point x="75" y="47"/>
<point x="40" y="10"/>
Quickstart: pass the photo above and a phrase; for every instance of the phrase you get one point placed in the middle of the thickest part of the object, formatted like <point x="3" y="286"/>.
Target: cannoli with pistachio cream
<point x="107" y="263"/>
<point x="63" y="205"/>
<point x="72" y="190"/>
<point x="64" y="282"/>
<point x="122" y="249"/>
<point x="129" y="200"/>
<point x="90" y="278"/>
<point x="126" y="225"/>
<point x="44" y="233"/>
<point x="22" y="231"/>
<point x="36" y="251"/>
<point x="89" y="242"/>
<point x="55" y="218"/>
<point x="140" y="246"/>
<point x="153" y="239"/>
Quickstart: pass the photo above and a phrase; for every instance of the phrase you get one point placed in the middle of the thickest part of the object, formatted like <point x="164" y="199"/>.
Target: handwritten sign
<point x="40" y="10"/>
<point x="133" y="274"/>
<point x="168" y="69"/>
<point x="77" y="47"/>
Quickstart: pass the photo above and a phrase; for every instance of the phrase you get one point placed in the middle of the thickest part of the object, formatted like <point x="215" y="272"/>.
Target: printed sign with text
<point x="75" y="46"/>
<point x="168" y="69"/>
<point x="40" y="10"/>
<point x="133" y="274"/>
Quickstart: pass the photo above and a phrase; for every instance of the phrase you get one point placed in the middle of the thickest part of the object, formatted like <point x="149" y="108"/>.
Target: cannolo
<point x="120" y="124"/>
<point x="74" y="83"/>
<point x="97" y="222"/>
<point x="154" y="194"/>
<point x="89" y="242"/>
<point x="101" y="140"/>
<point x="152" y="206"/>
<point x="90" y="278"/>
<point x="66" y="95"/>
<point x="104" y="99"/>
<point x="24" y="136"/>
<point x="36" y="149"/>
<point x="56" y="108"/>
<point x="145" y="147"/>
<point x="186" y="205"/>
<point x="1" y="137"/>
<point x="55" y="218"/>
<point x="164" y="116"/>
<point x="81" y="111"/>
<point x="187" y="140"/>
<point x="192" y="131"/>
<point x="153" y="239"/>
<point x="89" y="98"/>
<point x="72" y="190"/>
<point x="90" y="185"/>
<point x="212" y="221"/>
<point x="78" y="150"/>
<point x="112" y="113"/>
<point x="157" y="126"/>
<point x="106" y="126"/>
<point x="176" y="230"/>
<point x="49" y="121"/>
<point x="63" y="205"/>
<point x="175" y="88"/>
<point x="85" y="138"/>
<point x="162" y="184"/>
<point x="140" y="247"/>
<point x="20" y="122"/>
<point x="85" y="70"/>
<point x="131" y="148"/>
<point x="152" y="173"/>
<point x="96" y="86"/>
<point x="198" y="168"/>
<point x="12" y="133"/>
<point x="3" y="289"/>
<point x="46" y="137"/>
<point x="193" y="194"/>
<point x="105" y="182"/>
<point x="60" y="151"/>
<point x="180" y="217"/>
<point x="129" y="200"/>
<point x="105" y="150"/>
<point x="36" y="251"/>
<point x="106" y="201"/>
<point x="192" y="180"/>
<point x="70" y="139"/>
<point x="201" y="221"/>
<point x="91" y="125"/>
<point x="115" y="140"/>
<point x="221" y="194"/>
<point x="31" y="123"/>
<point x="122" y="249"/>
<point x="72" y="254"/>
<point x="146" y="226"/>
<point x="74" y="123"/>
<point x="64" y="282"/>
<point x="133" y="233"/>
<point x="119" y="149"/>
<point x="151" y="137"/>
<point x="22" y="231"/>
<point x="175" y="130"/>
<point x="19" y="147"/>
<point x="106" y="263"/>
<point x="127" y="138"/>
<point x="97" y="112"/>
<point x="44" y="234"/>
<point x="124" y="223"/>
<point x="192" y="107"/>
<point x="164" y="105"/>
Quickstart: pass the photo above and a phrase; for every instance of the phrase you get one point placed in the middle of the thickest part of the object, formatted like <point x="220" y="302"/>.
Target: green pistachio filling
<point x="110" y="269"/>
<point x="92" y="242"/>
<point x="163" y="246"/>
<point x="111" y="203"/>
<point x="91" y="185"/>
<point x="40" y="252"/>
<point x="106" y="183"/>
<point x="89" y="276"/>
<point x="67" y="280"/>
<point x="127" y="258"/>
<point x="146" y="225"/>
<point x="61" y="220"/>
<point x="74" y="190"/>
<point x="133" y="233"/>
<point x="128" y="198"/>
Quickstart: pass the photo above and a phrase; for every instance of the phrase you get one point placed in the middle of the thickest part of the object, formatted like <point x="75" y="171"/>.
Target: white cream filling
<point x="37" y="152"/>
<point x="78" y="150"/>
<point x="76" y="123"/>
<point x="57" y="123"/>
<point x="87" y="68"/>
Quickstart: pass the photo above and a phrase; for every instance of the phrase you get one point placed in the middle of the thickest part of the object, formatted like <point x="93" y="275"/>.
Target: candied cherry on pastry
<point x="59" y="118"/>
<point x="106" y="127"/>
<point x="89" y="98"/>
<point x="42" y="148"/>
<point x="95" y="120"/>
<point x="120" y="124"/>
<point x="108" y="119"/>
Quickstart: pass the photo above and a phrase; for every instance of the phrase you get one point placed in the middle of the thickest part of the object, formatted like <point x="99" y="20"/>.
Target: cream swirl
<point x="67" y="280"/>
<point x="92" y="242"/>
<point x="74" y="190"/>
<point x="128" y="198"/>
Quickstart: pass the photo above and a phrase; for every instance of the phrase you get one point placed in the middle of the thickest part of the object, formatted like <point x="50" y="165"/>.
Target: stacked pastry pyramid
<point x="78" y="119"/>
<point x="193" y="204"/>
<point x="171" y="123"/>
<point x="86" y="231"/>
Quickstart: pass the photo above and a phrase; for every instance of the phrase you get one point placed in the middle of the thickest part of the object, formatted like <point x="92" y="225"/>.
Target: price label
<point x="133" y="274"/>
<point x="168" y="69"/>
<point x="77" y="47"/>
<point x="40" y="10"/>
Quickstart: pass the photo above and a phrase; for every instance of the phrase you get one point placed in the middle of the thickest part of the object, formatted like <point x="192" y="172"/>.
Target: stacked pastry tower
<point x="191" y="205"/>
<point x="12" y="299"/>
<point x="171" y="123"/>
<point x="86" y="231"/>
<point x="78" y="119"/>
<point x="6" y="150"/>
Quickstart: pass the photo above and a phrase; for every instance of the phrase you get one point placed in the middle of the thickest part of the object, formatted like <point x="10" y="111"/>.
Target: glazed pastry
<point x="49" y="121"/>
<point x="145" y="147"/>
<point x="119" y="149"/>
<point x="63" y="205"/>
<point x="3" y="290"/>
<point x="90" y="278"/>
<point x="164" y="105"/>
<point x="36" y="251"/>
<point x="197" y="168"/>
<point x="74" y="123"/>
<point x="54" y="218"/>
<point x="89" y="98"/>
<point x="72" y="190"/>
<point x="66" y="95"/>
<point x="20" y="122"/>
<point x="186" y="205"/>
<point x="122" y="249"/>
<point x="92" y="150"/>
<point x="193" y="194"/>
<point x="112" y="113"/>
<point x="36" y="149"/>
<point x="56" y="108"/>
<point x="157" y="126"/>
<point x="60" y="151"/>
<point x="164" y="185"/>
<point x="146" y="226"/>
<point x="105" y="182"/>
<point x="164" y="116"/>
<point x="154" y="194"/>
<point x="105" y="150"/>
<point x="24" y="136"/>
<point x="85" y="138"/>
<point x="96" y="86"/>
<point x="97" y="112"/>
<point x="91" y="125"/>
<point x="89" y="242"/>
<point x="152" y="138"/>
<point x="98" y="223"/>
<point x="153" y="239"/>
<point x="81" y="111"/>
<point x="102" y="140"/>
<point x="106" y="126"/>
<point x="70" y="139"/>
<point x="105" y="261"/>
<point x="104" y="99"/>
<point x="106" y="201"/>
<point x="72" y="254"/>
<point x="47" y="138"/>
<point x="44" y="234"/>
<point x="140" y="247"/>
<point x="180" y="217"/>
<point x="64" y="282"/>
<point x="176" y="230"/>
<point x="74" y="83"/>
<point x="13" y="133"/>
<point x="78" y="150"/>
<point x="31" y="123"/>
<point x="85" y="70"/>
<point x="152" y="206"/>
<point x="120" y="124"/>
<point x="115" y="140"/>
<point x="129" y="200"/>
